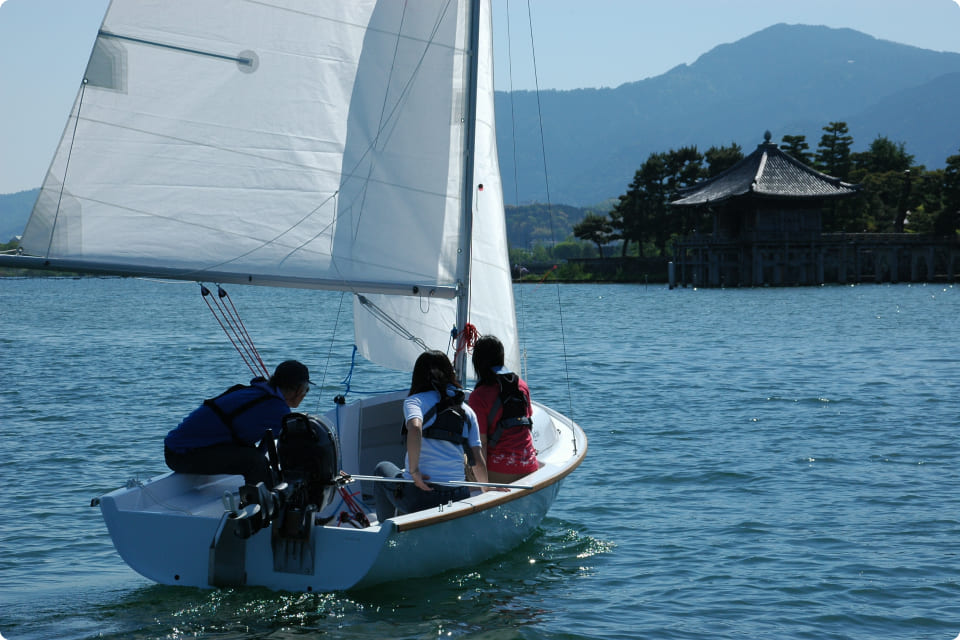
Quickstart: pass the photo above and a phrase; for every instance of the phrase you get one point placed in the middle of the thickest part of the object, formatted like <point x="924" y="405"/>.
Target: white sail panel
<point x="492" y="308"/>
<point x="428" y="322"/>
<point x="210" y="138"/>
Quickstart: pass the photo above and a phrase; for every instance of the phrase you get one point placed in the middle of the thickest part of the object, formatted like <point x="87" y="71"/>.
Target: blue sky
<point x="44" y="45"/>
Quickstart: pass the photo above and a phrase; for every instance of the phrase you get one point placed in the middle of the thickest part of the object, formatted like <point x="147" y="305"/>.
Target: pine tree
<point x="833" y="152"/>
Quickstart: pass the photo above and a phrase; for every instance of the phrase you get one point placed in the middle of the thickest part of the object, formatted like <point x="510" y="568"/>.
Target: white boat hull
<point x="167" y="528"/>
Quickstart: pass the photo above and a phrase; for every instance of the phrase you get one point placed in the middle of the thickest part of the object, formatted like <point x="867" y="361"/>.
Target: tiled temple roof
<point x="767" y="172"/>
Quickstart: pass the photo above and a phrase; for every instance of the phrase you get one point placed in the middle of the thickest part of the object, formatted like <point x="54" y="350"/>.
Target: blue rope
<point x="348" y="380"/>
<point x="349" y="377"/>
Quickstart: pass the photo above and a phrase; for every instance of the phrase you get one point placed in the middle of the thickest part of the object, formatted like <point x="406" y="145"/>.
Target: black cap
<point x="291" y="374"/>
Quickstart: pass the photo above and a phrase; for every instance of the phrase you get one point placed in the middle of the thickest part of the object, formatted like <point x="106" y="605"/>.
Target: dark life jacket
<point x="451" y="420"/>
<point x="227" y="418"/>
<point x="514" y="404"/>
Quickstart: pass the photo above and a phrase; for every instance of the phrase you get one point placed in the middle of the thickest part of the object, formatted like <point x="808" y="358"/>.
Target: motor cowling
<point x="309" y="458"/>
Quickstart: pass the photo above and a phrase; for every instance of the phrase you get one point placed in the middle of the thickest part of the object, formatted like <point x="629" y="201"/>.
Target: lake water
<point x="763" y="463"/>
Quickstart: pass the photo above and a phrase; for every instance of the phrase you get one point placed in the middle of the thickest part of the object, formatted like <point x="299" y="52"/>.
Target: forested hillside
<point x="14" y="210"/>
<point x="789" y="79"/>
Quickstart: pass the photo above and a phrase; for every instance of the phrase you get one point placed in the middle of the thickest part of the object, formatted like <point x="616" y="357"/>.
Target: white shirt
<point x="440" y="460"/>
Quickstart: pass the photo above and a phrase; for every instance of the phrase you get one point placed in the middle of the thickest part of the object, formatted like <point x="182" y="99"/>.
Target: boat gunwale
<point x="464" y="508"/>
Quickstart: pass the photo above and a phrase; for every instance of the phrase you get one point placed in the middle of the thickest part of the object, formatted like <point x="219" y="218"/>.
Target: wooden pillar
<point x="894" y="266"/>
<point x="842" y="265"/>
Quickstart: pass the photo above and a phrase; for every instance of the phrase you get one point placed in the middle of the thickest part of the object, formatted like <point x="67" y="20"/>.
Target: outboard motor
<point x="309" y="459"/>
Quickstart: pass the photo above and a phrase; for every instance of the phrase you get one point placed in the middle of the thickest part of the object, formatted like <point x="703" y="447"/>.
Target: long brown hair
<point x="431" y="371"/>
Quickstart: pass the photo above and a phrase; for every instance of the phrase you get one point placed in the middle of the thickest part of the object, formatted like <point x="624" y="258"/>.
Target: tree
<point x="638" y="210"/>
<point x="882" y="156"/>
<point x="719" y="159"/>
<point x="833" y="152"/>
<point x="684" y="168"/>
<point x="642" y="214"/>
<point x="572" y="249"/>
<point x="596" y="229"/>
<point x="926" y="203"/>
<point x="883" y="202"/>
<point x="797" y="148"/>
<point x="949" y="219"/>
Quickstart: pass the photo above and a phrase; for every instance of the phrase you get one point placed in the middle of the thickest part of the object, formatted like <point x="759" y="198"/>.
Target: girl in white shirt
<point x="432" y="455"/>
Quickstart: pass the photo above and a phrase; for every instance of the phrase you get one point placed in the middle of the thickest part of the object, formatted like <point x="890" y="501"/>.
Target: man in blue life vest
<point x="221" y="435"/>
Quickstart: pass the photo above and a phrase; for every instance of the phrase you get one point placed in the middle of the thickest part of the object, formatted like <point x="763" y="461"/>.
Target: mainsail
<point x="296" y="143"/>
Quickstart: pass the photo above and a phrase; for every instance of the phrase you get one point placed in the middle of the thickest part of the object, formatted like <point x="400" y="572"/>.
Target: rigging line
<point x="390" y="323"/>
<point x="234" y="338"/>
<point x="546" y="179"/>
<point x="66" y="168"/>
<point x="234" y="322"/>
<point x="319" y="233"/>
<point x="248" y="347"/>
<point x="229" y="337"/>
<point x="205" y="294"/>
<point x="513" y="113"/>
<point x="230" y="323"/>
<point x="283" y="233"/>
<point x="221" y="292"/>
<point x="333" y="336"/>
<point x="516" y="191"/>
<point x="347" y="379"/>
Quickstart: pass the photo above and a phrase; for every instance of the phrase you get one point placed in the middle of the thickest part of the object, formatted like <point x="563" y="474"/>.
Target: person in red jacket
<point x="501" y="401"/>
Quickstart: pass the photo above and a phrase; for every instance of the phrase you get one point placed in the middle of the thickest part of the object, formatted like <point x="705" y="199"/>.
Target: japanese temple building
<point x="767" y="230"/>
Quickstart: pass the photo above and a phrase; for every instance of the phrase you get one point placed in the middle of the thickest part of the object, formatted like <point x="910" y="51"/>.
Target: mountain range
<point x="788" y="79"/>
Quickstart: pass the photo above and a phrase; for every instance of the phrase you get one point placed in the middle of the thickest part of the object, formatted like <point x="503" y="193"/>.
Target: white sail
<point x="430" y="321"/>
<point x="296" y="143"/>
<point x="301" y="140"/>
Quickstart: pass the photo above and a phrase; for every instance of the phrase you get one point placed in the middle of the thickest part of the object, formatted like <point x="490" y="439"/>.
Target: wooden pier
<point x="772" y="259"/>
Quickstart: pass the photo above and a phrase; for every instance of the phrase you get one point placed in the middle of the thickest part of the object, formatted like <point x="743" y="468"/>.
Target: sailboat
<point x="315" y="144"/>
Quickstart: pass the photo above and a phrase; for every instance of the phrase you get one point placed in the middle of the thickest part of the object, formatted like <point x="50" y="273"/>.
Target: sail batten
<point x="248" y="61"/>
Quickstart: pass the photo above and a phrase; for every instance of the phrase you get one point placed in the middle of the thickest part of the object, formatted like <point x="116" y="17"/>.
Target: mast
<point x="466" y="213"/>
